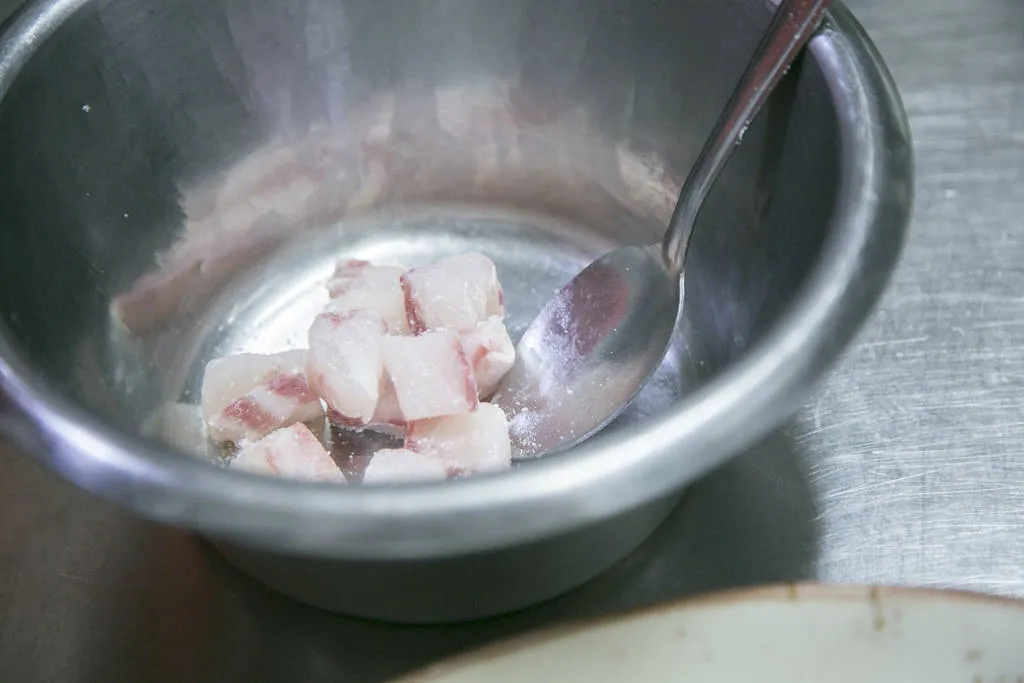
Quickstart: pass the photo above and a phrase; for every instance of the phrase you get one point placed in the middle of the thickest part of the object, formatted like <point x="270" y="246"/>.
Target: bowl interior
<point x="179" y="178"/>
<point x="787" y="634"/>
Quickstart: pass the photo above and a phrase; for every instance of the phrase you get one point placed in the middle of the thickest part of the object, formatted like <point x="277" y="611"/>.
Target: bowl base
<point x="454" y="589"/>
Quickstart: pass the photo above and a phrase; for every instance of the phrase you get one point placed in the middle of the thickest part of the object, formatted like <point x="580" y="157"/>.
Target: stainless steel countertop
<point x="907" y="467"/>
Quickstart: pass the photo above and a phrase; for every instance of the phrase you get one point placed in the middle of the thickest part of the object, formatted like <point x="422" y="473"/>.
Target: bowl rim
<point x="583" y="486"/>
<point x="793" y="593"/>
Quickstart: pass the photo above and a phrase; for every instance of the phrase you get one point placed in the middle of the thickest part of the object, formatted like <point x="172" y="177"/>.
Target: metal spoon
<point x="588" y="353"/>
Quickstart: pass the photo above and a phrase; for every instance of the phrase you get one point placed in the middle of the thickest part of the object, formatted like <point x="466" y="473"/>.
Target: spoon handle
<point x="794" y="23"/>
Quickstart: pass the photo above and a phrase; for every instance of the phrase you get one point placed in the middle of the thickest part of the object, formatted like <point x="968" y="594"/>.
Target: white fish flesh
<point x="249" y="395"/>
<point x="388" y="418"/>
<point x="408" y="353"/>
<point x="292" y="452"/>
<point x="344" y="364"/>
<point x="392" y="465"/>
<point x="358" y="285"/>
<point x="453" y="293"/>
<point x="490" y="353"/>
<point x="469" y="443"/>
<point x="430" y="373"/>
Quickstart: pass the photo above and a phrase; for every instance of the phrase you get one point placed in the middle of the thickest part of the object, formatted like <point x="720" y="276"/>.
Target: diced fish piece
<point x="469" y="443"/>
<point x="292" y="452"/>
<point x="490" y="353"/>
<point x="344" y="364"/>
<point x="431" y="374"/>
<point x="392" y="465"/>
<point x="283" y="400"/>
<point x="359" y="285"/>
<point x="453" y="293"/>
<point x="231" y="377"/>
<point x="249" y="395"/>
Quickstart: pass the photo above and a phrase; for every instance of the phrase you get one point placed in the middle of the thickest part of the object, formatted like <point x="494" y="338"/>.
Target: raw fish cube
<point x="292" y="452"/>
<point x="469" y="443"/>
<point x="344" y="364"/>
<point x="359" y="285"/>
<point x="431" y="374"/>
<point x="249" y="395"/>
<point x="453" y="293"/>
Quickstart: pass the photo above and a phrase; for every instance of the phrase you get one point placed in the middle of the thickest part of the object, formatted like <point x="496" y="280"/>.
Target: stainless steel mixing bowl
<point x="177" y="179"/>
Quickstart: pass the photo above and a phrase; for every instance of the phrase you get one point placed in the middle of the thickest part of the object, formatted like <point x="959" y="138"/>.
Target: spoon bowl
<point x="588" y="353"/>
<point x="582" y="361"/>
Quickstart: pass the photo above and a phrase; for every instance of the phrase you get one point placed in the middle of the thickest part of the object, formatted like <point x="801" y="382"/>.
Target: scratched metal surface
<point x="915" y="446"/>
<point x="907" y="467"/>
